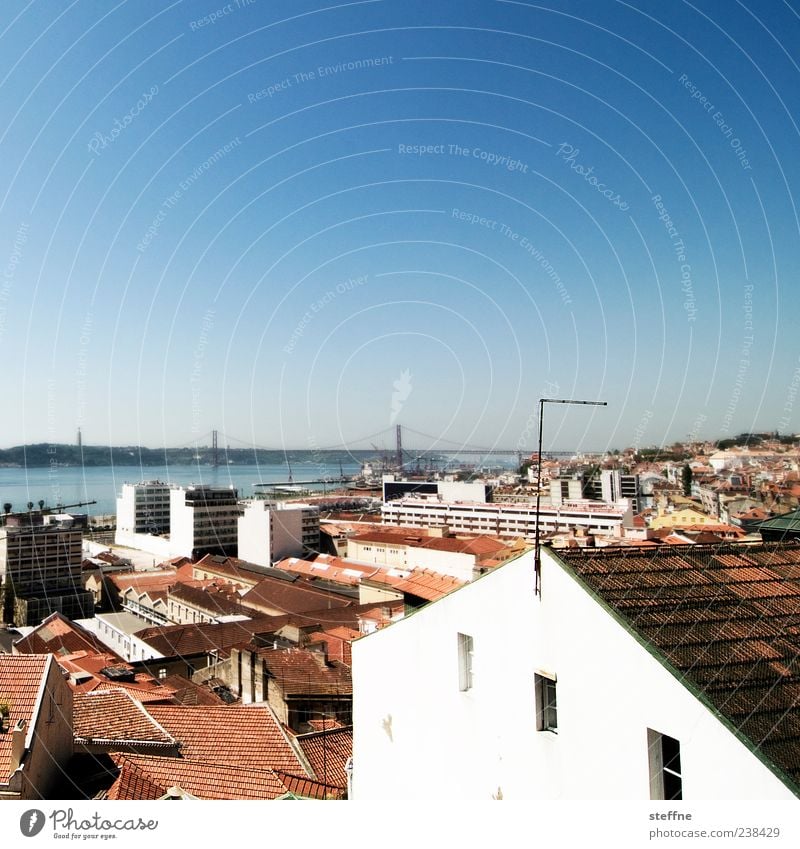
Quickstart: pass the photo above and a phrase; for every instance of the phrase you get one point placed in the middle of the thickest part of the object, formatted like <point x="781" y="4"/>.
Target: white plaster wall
<point x="418" y="737"/>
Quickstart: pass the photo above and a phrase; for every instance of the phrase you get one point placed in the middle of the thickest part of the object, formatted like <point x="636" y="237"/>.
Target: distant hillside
<point x="46" y="454"/>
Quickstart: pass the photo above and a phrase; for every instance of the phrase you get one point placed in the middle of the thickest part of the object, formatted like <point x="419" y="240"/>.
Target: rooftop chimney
<point x="17" y="744"/>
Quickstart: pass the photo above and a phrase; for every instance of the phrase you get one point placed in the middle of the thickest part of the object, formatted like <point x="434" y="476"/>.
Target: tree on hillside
<point x="686" y="479"/>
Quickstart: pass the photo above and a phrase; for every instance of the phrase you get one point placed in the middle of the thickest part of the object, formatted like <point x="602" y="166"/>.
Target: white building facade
<point x="515" y="695"/>
<point x="270" y="531"/>
<point x="143" y="508"/>
<point x="507" y="519"/>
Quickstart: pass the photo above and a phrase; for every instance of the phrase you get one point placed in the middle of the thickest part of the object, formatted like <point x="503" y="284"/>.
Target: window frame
<point x="546" y="702"/>
<point x="663" y="765"/>
<point x="466" y="656"/>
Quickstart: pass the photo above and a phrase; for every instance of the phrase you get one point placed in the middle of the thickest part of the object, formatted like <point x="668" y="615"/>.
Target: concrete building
<point x="589" y="690"/>
<point x="118" y="632"/>
<point x="269" y="531"/>
<point x="204" y="520"/>
<point x="40" y="568"/>
<point x="612" y="485"/>
<point x="566" y="489"/>
<point x="394" y="487"/>
<point x="460" y="558"/>
<point x="508" y="520"/>
<point x="143" y="508"/>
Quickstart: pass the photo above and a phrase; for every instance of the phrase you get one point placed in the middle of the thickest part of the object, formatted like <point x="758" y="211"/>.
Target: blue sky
<point x="300" y="223"/>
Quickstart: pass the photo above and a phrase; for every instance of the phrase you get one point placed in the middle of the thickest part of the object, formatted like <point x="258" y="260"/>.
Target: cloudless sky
<point x="302" y="222"/>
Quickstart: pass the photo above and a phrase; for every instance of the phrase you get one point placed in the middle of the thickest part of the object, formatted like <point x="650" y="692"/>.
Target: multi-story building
<point x="447" y="490"/>
<point x="143" y="508"/>
<point x="40" y="568"/>
<point x="269" y="531"/>
<point x="508" y="520"/>
<point x="204" y="520"/>
<point x="612" y="485"/>
<point x="566" y="489"/>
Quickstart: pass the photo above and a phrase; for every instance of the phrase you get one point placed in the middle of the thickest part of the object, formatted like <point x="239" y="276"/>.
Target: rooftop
<point x="21" y="679"/>
<point x="726" y="620"/>
<point x="113" y="716"/>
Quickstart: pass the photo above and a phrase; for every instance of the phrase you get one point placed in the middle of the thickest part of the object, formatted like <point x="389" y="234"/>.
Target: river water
<point x="73" y="484"/>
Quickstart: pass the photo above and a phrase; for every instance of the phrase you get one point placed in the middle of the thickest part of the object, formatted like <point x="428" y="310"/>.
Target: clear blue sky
<point x="301" y="222"/>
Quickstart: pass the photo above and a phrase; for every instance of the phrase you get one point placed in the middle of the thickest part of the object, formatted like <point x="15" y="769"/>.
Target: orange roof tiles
<point x="22" y="678"/>
<point x="305" y="672"/>
<point x="428" y="585"/>
<point x="105" y="716"/>
<point x="243" y="735"/>
<point x="277" y="597"/>
<point x="151" y="778"/>
<point x="727" y="618"/>
<point x="328" y="752"/>
<point x="60" y="636"/>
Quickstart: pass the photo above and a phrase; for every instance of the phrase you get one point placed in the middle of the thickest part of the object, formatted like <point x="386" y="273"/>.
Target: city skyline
<point x="304" y="224"/>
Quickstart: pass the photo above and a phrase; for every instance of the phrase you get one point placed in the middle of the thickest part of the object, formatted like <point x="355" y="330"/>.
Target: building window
<point x="664" y="755"/>
<point x="465" y="652"/>
<point x="546" y="713"/>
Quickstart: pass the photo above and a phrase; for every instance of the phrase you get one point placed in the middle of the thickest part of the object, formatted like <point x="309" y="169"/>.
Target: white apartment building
<point x="143" y="508"/>
<point x="508" y="519"/>
<point x="269" y="531"/>
<point x="204" y="520"/>
<point x="523" y="696"/>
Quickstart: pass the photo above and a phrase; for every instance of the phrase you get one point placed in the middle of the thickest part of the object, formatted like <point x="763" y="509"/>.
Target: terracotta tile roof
<point x="480" y="546"/>
<point x="161" y="579"/>
<point x="186" y="692"/>
<point x="105" y="716"/>
<point x="304" y="672"/>
<point x="324" y="724"/>
<point x="428" y="585"/>
<point x="308" y="789"/>
<point x="151" y="778"/>
<point x="59" y="636"/>
<point x="338" y="569"/>
<point x="133" y="782"/>
<point x="241" y="571"/>
<point x="727" y="619"/>
<point x="244" y="735"/>
<point x="21" y="679"/>
<point x="184" y="640"/>
<point x="217" y="599"/>
<point x="145" y="694"/>
<point x="328" y="751"/>
<point x="277" y="597"/>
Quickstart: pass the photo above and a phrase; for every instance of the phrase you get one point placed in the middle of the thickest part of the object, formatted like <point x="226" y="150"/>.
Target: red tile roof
<point x="59" y="636"/>
<point x="113" y="716"/>
<point x="151" y="778"/>
<point x="186" y="692"/>
<point x="428" y="585"/>
<point x="214" y="598"/>
<point x="304" y="672"/>
<point x="726" y="618"/>
<point x="338" y="569"/>
<point x="22" y="678"/>
<point x="184" y="640"/>
<point x="276" y="597"/>
<point x="479" y="546"/>
<point x="243" y="735"/>
<point x="328" y="752"/>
